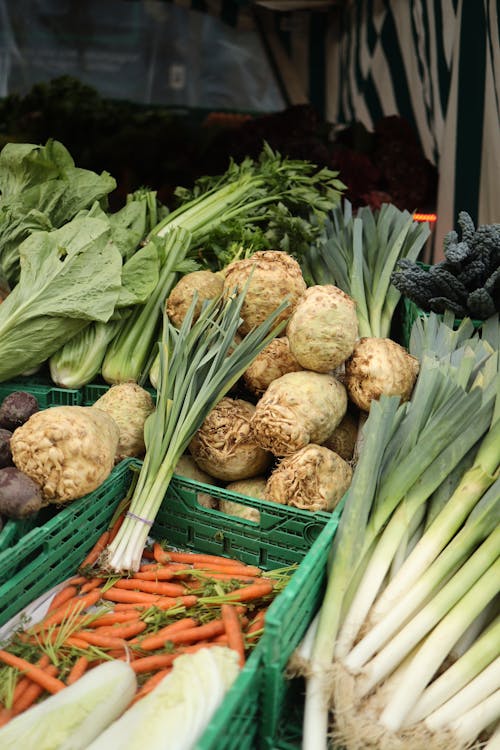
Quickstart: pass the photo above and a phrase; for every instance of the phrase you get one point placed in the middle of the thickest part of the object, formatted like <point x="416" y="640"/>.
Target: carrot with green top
<point x="157" y="640"/>
<point x="151" y="587"/>
<point x="36" y="674"/>
<point x="124" y="630"/>
<point x="77" y="670"/>
<point x="32" y="692"/>
<point x="72" y="607"/>
<point x="96" y="550"/>
<point x="198" y="633"/>
<point x="62" y="596"/>
<point x="94" y="638"/>
<point x="232" y="627"/>
<point x="92" y="584"/>
<point x="253" y="591"/>
<point x="112" y="618"/>
<point x="256" y="625"/>
<point x="6" y="715"/>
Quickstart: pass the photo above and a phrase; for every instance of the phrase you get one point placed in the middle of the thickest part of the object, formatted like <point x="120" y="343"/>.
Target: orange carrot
<point x="148" y="554"/>
<point x="158" y="573"/>
<point x="71" y="607"/>
<point x="152" y="663"/>
<point x="229" y="577"/>
<point x="115" y="528"/>
<point x="90" y="585"/>
<point x="96" y="550"/>
<point x="77" y="670"/>
<point x="76" y="642"/>
<point x="77" y="580"/>
<point x="236" y="568"/>
<point x="49" y="683"/>
<point x="232" y="627"/>
<point x="23" y="683"/>
<point x="158" y="639"/>
<point x="163" y="556"/>
<point x="151" y="587"/>
<point x="160" y="602"/>
<point x="32" y="692"/>
<point x="123" y="630"/>
<point x="257" y="623"/>
<point x="112" y="618"/>
<point x="253" y="591"/>
<point x="151" y="683"/>
<point x="6" y="715"/>
<point x="198" y="633"/>
<point x="97" y="639"/>
<point x="62" y="596"/>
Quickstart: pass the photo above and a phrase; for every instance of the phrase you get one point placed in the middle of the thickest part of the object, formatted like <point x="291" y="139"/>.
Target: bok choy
<point x="76" y="715"/>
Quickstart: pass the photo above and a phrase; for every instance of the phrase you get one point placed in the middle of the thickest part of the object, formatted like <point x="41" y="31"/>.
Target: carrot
<point x="232" y="627"/>
<point x="37" y="674"/>
<point x="151" y="587"/>
<point x="251" y="571"/>
<point x="192" y="557"/>
<point x="257" y="623"/>
<point x="71" y="607"/>
<point x="124" y="596"/>
<point x="148" y="554"/>
<point x="77" y="670"/>
<point x="198" y="633"/>
<point x="90" y="585"/>
<point x="160" y="602"/>
<point x="62" y="596"/>
<point x="221" y="640"/>
<point x="96" y="550"/>
<point x="32" y="692"/>
<point x="112" y="618"/>
<point x="253" y="591"/>
<point x="152" y="663"/>
<point x="230" y="577"/>
<point x="123" y="630"/>
<point x="151" y="683"/>
<point x="115" y="528"/>
<point x="77" y="580"/>
<point x="158" y="639"/>
<point x="157" y="573"/>
<point x="25" y="681"/>
<point x="95" y="638"/>
<point x="76" y="642"/>
<point x="6" y="715"/>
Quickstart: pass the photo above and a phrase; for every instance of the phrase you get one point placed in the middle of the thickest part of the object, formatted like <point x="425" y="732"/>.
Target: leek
<point x="358" y="254"/>
<point x="240" y="198"/>
<point x="411" y="576"/>
<point x="198" y="365"/>
<point x="76" y="715"/>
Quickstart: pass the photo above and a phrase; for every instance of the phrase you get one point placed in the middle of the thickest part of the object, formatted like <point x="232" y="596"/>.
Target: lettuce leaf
<point x="69" y="276"/>
<point x="41" y="189"/>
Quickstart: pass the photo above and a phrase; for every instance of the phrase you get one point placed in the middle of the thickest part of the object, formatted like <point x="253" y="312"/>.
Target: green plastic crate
<point x="51" y="553"/>
<point x="282" y="536"/>
<point x="286" y="623"/>
<point x="47" y="395"/>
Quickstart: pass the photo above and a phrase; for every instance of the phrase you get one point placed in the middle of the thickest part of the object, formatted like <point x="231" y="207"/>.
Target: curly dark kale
<point x="480" y="304"/>
<point x="467" y="281"/>
<point x="441" y="304"/>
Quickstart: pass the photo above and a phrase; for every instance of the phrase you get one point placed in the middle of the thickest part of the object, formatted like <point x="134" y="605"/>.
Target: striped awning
<point x="436" y="63"/>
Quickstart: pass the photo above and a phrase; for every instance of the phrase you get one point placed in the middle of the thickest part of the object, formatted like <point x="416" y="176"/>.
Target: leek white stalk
<point x="458" y="675"/>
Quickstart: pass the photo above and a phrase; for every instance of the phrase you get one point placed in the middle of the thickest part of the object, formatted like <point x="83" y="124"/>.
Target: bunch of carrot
<point x="176" y="603"/>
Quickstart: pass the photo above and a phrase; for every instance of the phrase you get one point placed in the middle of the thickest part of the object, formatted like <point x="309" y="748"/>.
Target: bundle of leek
<point x="407" y="646"/>
<point x="246" y="195"/>
<point x="358" y="254"/>
<point x="199" y="363"/>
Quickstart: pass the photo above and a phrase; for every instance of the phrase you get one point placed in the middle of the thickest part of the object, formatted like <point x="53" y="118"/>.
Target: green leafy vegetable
<point x="41" y="189"/>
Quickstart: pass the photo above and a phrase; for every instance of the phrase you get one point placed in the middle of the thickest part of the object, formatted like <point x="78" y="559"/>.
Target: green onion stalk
<point x="358" y="254"/>
<point x="384" y="629"/>
<point x="199" y="363"/>
<point x="242" y="197"/>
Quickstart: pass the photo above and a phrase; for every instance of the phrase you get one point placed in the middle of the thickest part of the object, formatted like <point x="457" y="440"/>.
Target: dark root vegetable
<point x="16" y="409"/>
<point x="5" y="452"/>
<point x="20" y="496"/>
